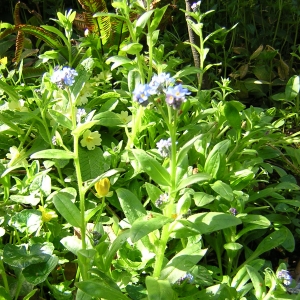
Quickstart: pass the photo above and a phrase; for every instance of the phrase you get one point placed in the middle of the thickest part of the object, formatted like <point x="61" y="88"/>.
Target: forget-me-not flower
<point x="175" y="95"/>
<point x="142" y="93"/>
<point x="64" y="76"/>
<point x="164" y="147"/>
<point x="285" y="276"/>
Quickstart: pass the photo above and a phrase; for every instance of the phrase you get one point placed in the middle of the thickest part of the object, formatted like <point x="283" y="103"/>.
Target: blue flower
<point x="188" y="277"/>
<point x="64" y="77"/>
<point x="285" y="276"/>
<point x="160" y="82"/>
<point x="175" y="95"/>
<point x="164" y="147"/>
<point x="233" y="211"/>
<point x="142" y="93"/>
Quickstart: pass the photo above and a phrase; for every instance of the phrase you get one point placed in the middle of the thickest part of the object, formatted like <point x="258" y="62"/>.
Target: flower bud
<point x="102" y="187"/>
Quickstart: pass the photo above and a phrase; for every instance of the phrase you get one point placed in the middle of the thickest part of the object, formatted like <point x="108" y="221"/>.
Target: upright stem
<point x="81" y="190"/>
<point x="171" y="122"/>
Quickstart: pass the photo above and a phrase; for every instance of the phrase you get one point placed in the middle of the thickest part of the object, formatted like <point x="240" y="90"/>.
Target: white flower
<point x="17" y="105"/>
<point x="16" y="157"/>
<point x="91" y="139"/>
<point x="124" y="117"/>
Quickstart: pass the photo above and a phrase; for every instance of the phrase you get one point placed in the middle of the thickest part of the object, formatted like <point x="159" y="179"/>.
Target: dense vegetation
<point x="149" y="149"/>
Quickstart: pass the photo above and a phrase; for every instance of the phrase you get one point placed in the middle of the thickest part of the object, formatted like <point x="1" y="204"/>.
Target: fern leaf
<point x="100" y="25"/>
<point x="17" y="19"/>
<point x="19" y="47"/>
<point x="93" y="6"/>
<point x="7" y="32"/>
<point x="40" y="33"/>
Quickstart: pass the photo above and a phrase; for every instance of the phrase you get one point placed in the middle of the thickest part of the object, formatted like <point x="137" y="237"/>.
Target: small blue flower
<point x="233" y="211"/>
<point x="175" y="95"/>
<point x="64" y="77"/>
<point x="162" y="200"/>
<point x="188" y="277"/>
<point x="164" y="147"/>
<point x="160" y="82"/>
<point x="285" y="276"/>
<point x="142" y="93"/>
<point x="196" y="6"/>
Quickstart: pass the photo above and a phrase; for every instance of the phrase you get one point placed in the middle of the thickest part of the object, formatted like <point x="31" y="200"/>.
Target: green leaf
<point x="289" y="243"/>
<point x="202" y="199"/>
<point x="159" y="289"/>
<point x="72" y="243"/>
<point x="108" y="119"/>
<point x="19" y="257"/>
<point x="158" y="15"/>
<point x="8" y="89"/>
<point x="146" y="224"/>
<point x="99" y="289"/>
<point x="60" y="118"/>
<point x="30" y="200"/>
<point x="4" y="295"/>
<point x="153" y="191"/>
<point x="142" y="21"/>
<point x="152" y="167"/>
<point x="212" y="164"/>
<point x="292" y="88"/>
<point x="38" y="273"/>
<point x="115" y="246"/>
<point x="82" y="127"/>
<point x="232" y="115"/>
<point x="29" y="220"/>
<point x="185" y="148"/>
<point x="132" y="48"/>
<point x="65" y="206"/>
<point x="182" y="262"/>
<point x="53" y="154"/>
<point x="223" y="189"/>
<point x="118" y="61"/>
<point x="258" y="282"/>
<point x="197" y="178"/>
<point x="131" y="205"/>
<point x="213" y="221"/>
<point x="256" y="219"/>
<point x="273" y="240"/>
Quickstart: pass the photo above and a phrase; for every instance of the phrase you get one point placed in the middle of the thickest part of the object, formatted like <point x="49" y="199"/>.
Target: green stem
<point x="171" y="121"/>
<point x="4" y="277"/>
<point x="44" y="122"/>
<point x="161" y="251"/>
<point x="81" y="190"/>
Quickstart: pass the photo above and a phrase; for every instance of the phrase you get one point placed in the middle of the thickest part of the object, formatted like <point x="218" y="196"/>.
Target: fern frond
<point x="19" y="47"/>
<point x="7" y="32"/>
<point x="42" y="34"/>
<point x="100" y="25"/>
<point x="17" y="19"/>
<point x="93" y="6"/>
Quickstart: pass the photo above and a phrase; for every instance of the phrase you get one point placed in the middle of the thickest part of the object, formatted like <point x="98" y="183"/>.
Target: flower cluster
<point x="233" y="211"/>
<point x="63" y="77"/>
<point x="188" y="277"/>
<point x="161" y="84"/>
<point x="164" y="147"/>
<point x="162" y="200"/>
<point x="285" y="276"/>
<point x="196" y="6"/>
<point x="175" y="96"/>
